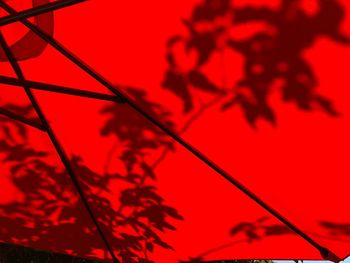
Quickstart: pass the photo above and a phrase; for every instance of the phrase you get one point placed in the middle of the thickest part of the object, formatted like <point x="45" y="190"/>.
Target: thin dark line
<point x="64" y="158"/>
<point x="19" y="118"/>
<point x="59" y="89"/>
<point x="323" y="251"/>
<point x="37" y="11"/>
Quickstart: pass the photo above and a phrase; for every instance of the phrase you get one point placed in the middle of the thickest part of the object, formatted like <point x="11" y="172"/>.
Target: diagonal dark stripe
<point x="37" y="11"/>
<point x="325" y="253"/>
<point x="59" y="149"/>
<point x="21" y="119"/>
<point x="59" y="89"/>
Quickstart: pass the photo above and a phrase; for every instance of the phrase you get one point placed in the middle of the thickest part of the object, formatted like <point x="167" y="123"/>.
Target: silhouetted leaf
<point x="200" y="81"/>
<point x="210" y="10"/>
<point x="177" y="84"/>
<point x="249" y="229"/>
<point x="336" y="228"/>
<point x="173" y="40"/>
<point x="327" y="105"/>
<point x="150" y="247"/>
<point x="21" y="152"/>
<point x="273" y="230"/>
<point x="251" y="14"/>
<point x="148" y="170"/>
<point x="145" y="260"/>
<point x="204" y="44"/>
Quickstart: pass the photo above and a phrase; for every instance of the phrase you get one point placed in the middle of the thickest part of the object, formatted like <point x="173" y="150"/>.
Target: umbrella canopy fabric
<point x="108" y="107"/>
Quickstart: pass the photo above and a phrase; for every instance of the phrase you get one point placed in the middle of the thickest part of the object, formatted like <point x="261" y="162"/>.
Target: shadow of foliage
<point x="50" y="202"/>
<point x="337" y="229"/>
<point x="143" y="215"/>
<point x="272" y="56"/>
<point x="141" y="207"/>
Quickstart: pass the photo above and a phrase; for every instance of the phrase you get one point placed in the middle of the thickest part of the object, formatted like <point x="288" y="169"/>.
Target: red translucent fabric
<point x="260" y="89"/>
<point x="39" y="205"/>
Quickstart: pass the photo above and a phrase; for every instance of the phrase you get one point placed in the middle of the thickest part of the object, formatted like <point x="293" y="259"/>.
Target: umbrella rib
<point x="19" y="118"/>
<point x="63" y="51"/>
<point x="37" y="11"/>
<point x="325" y="252"/>
<point x="59" y="149"/>
<point x="59" y="89"/>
